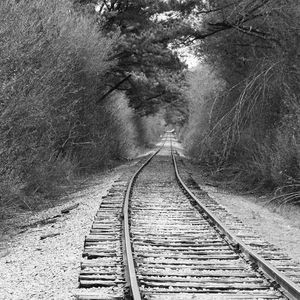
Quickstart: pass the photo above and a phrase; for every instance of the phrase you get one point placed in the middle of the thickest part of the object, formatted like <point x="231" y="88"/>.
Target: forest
<point x="85" y="83"/>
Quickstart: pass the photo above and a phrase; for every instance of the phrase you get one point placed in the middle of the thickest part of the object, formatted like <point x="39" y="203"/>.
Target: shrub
<point x="53" y="67"/>
<point x="112" y="136"/>
<point x="249" y="132"/>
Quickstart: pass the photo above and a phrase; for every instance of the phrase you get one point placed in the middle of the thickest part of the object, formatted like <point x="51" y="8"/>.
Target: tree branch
<point x="108" y="8"/>
<point x="113" y="88"/>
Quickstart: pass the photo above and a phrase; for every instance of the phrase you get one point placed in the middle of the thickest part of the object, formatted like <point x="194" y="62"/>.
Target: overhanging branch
<point x="113" y="88"/>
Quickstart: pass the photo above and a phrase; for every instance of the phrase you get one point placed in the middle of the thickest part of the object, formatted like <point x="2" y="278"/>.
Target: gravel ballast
<point x="34" y="268"/>
<point x="278" y="226"/>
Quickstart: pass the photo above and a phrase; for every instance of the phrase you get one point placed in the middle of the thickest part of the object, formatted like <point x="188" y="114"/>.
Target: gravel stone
<point x="37" y="269"/>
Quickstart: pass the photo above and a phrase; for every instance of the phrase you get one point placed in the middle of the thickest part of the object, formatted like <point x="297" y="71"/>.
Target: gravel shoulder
<point x="279" y="226"/>
<point x="32" y="268"/>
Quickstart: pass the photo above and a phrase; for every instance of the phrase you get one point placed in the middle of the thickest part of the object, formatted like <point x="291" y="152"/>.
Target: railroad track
<point x="159" y="241"/>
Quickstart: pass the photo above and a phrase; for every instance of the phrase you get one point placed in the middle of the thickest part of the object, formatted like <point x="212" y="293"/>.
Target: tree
<point x="143" y="52"/>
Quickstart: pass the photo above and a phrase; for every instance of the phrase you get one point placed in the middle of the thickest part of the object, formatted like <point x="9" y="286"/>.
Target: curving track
<point x="174" y="247"/>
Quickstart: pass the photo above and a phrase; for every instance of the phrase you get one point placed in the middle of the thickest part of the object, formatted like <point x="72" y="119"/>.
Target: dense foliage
<point x="57" y="117"/>
<point x="83" y="80"/>
<point x="251" y="130"/>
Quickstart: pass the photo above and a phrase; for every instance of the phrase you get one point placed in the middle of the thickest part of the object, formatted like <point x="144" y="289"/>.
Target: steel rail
<point x="291" y="290"/>
<point x="132" y="282"/>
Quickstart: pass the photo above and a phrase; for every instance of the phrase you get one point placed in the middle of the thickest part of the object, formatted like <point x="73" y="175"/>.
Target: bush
<point x="202" y="94"/>
<point x="112" y="136"/>
<point x="249" y="131"/>
<point x="249" y="139"/>
<point x="54" y="63"/>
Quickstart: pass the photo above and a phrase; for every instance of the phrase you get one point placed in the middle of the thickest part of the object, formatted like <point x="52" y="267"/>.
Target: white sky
<point x="186" y="56"/>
